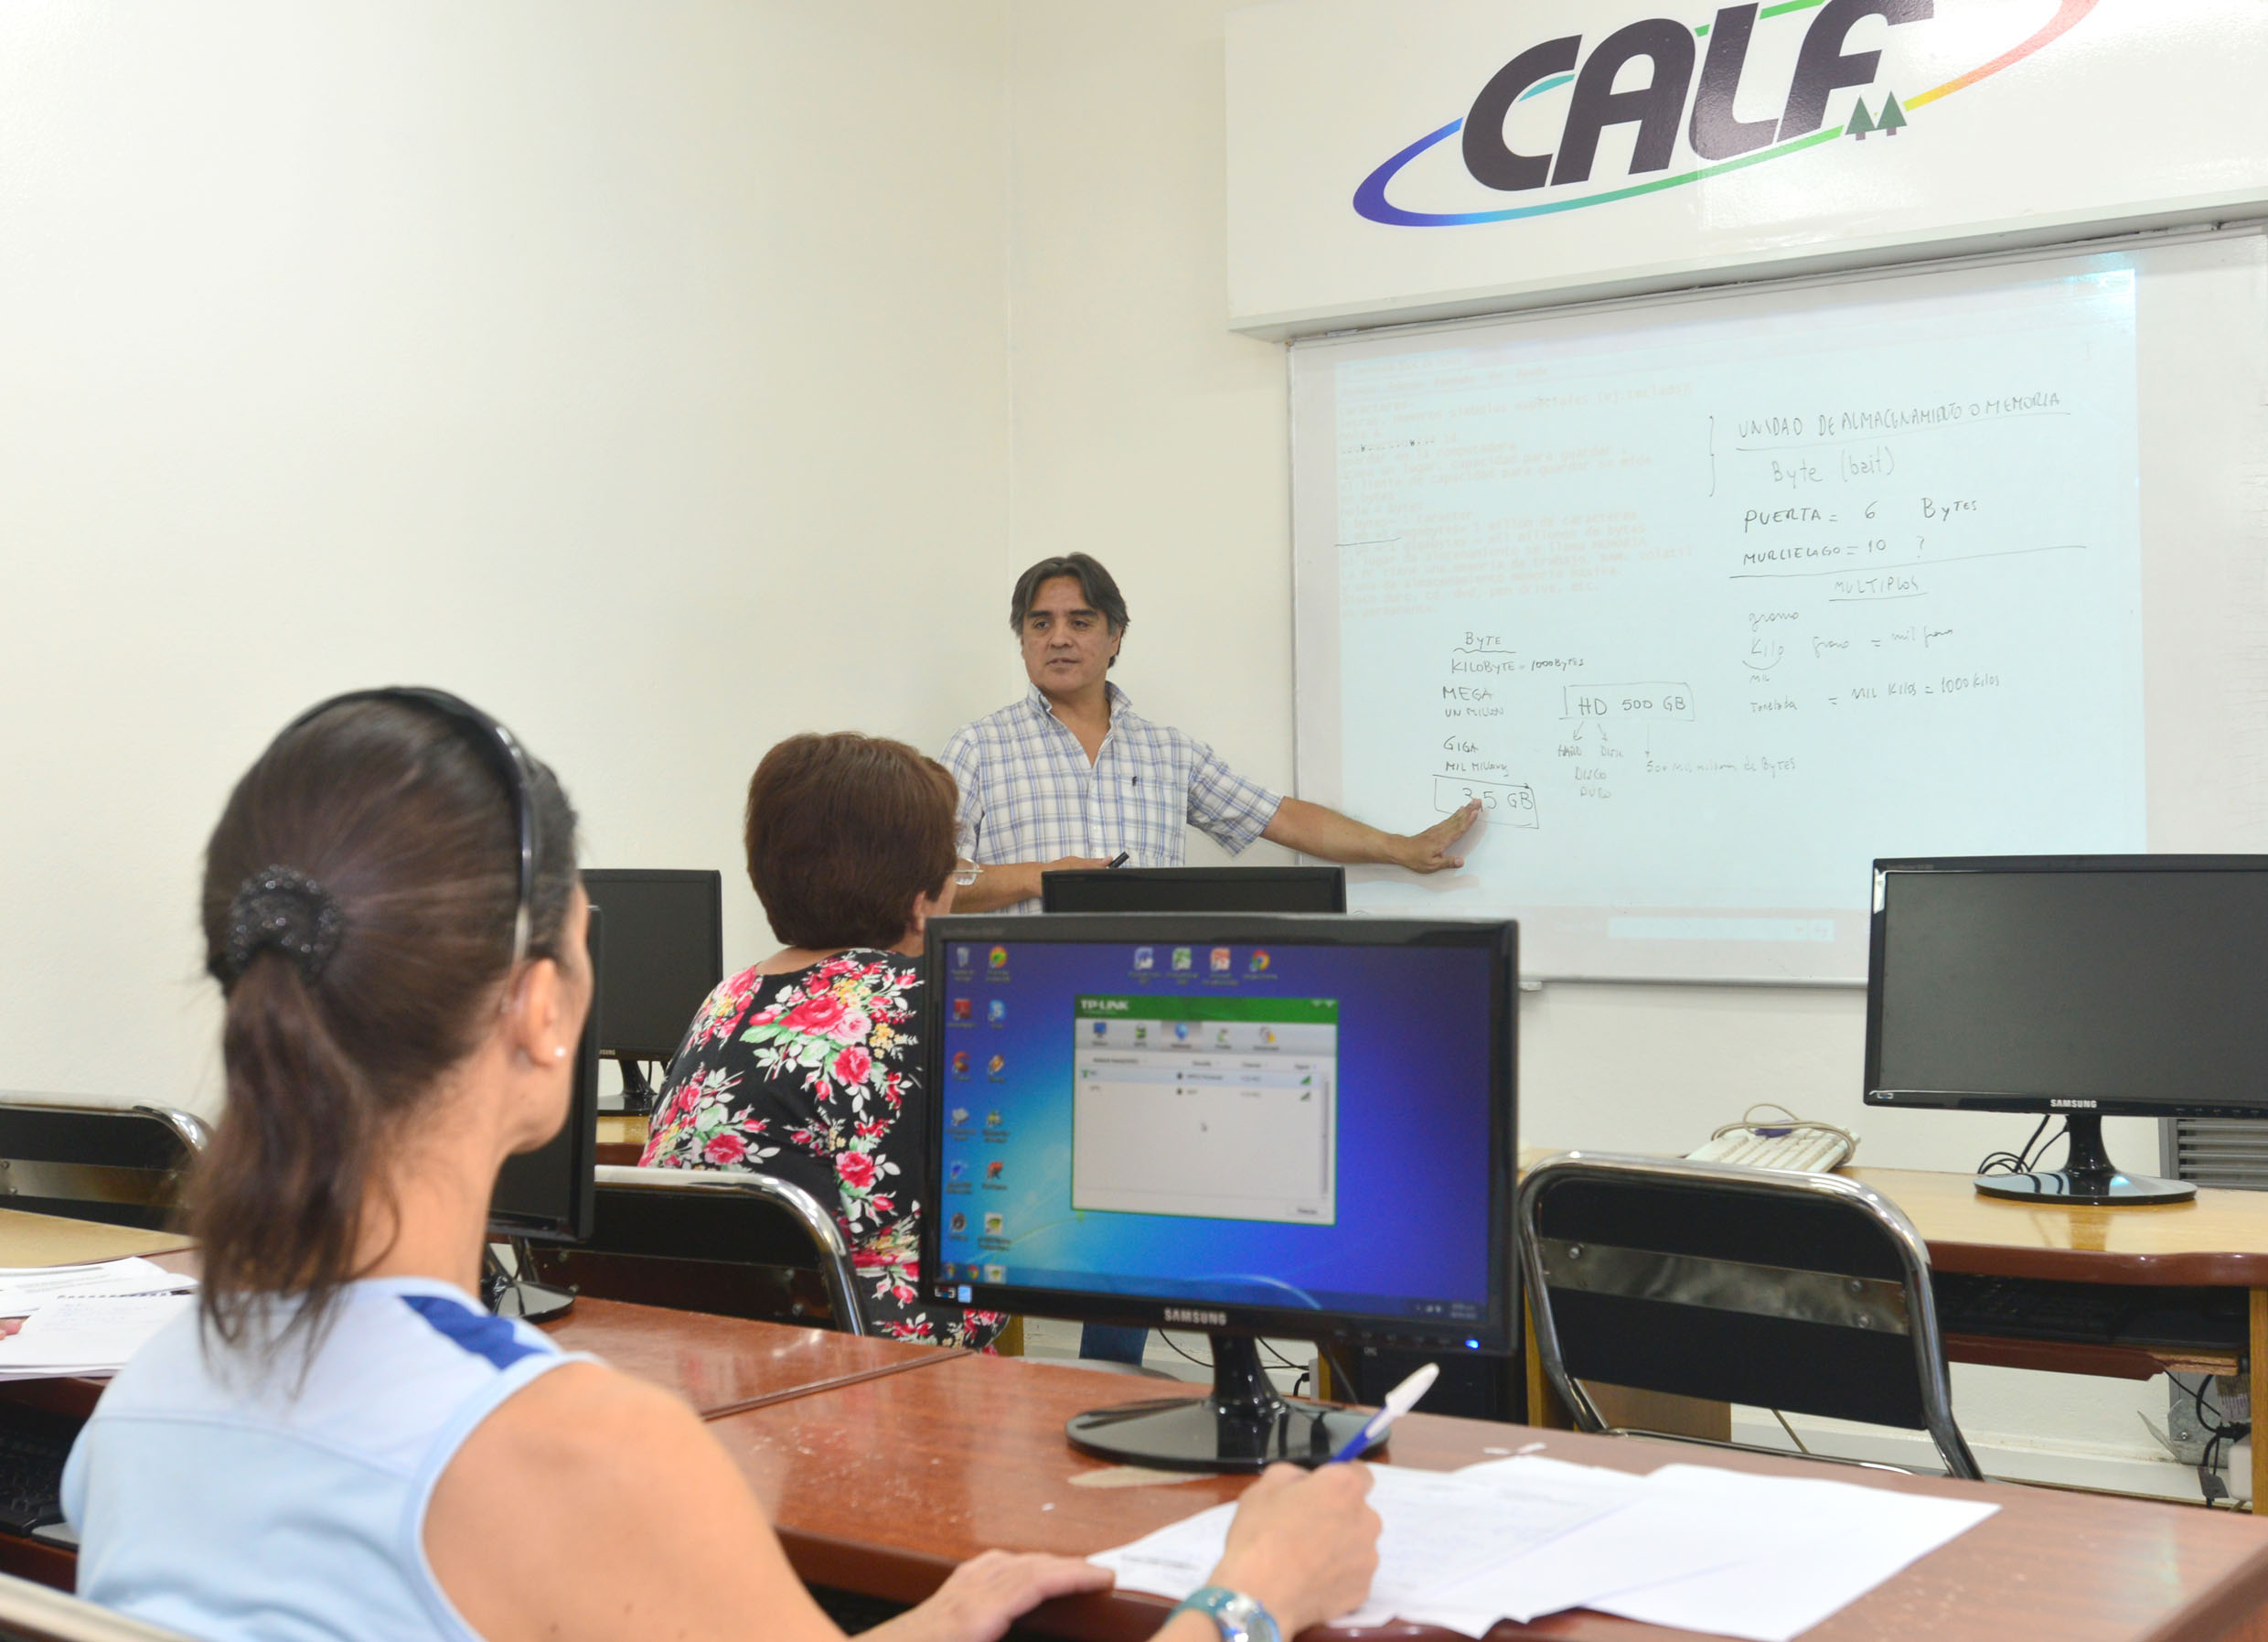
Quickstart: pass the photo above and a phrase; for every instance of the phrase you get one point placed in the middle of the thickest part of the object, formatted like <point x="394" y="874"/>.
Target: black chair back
<point x="122" y="1165"/>
<point x="1806" y="1294"/>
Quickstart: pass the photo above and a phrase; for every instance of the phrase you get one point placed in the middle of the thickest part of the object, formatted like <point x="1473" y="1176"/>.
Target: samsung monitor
<point x="1195" y="889"/>
<point x="1246" y="1125"/>
<point x="550" y="1195"/>
<point x="2090" y="986"/>
<point x="665" y="933"/>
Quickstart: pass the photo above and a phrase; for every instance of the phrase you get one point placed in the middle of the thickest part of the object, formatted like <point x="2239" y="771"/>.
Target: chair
<point x="1802" y="1292"/>
<point x="30" y="1613"/>
<point x="122" y="1165"/>
<point x="714" y="1241"/>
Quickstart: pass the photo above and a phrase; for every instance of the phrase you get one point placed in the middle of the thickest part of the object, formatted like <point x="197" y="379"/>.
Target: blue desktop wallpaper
<point x="1411" y="1237"/>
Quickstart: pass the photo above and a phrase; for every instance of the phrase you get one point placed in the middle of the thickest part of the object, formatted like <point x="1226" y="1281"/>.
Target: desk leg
<point x="2256" y="1387"/>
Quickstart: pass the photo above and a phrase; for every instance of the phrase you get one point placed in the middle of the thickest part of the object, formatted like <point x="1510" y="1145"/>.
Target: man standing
<point x="1071" y="775"/>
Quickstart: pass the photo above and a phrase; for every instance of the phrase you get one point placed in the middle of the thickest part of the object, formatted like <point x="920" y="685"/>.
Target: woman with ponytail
<point x="340" y="1442"/>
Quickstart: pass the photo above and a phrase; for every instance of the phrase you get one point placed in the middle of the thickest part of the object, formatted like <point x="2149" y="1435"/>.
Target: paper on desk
<point x="86" y="1334"/>
<point x="1703" y="1549"/>
<point x="1772" y="1597"/>
<point x="24" y="1289"/>
<point x="1437" y="1527"/>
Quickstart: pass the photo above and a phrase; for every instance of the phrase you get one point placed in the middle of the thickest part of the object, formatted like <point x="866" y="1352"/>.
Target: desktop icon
<point x="1220" y="961"/>
<point x="1181" y="958"/>
<point x="1145" y="958"/>
<point x="960" y="957"/>
<point x="957" y="1170"/>
<point x="992" y="1170"/>
<point x="996" y="1011"/>
<point x="960" y="1063"/>
<point x="1259" y="962"/>
<point x="960" y="1116"/>
<point x="1000" y="958"/>
<point x="964" y="1009"/>
<point x="994" y="1067"/>
<point x="992" y="1274"/>
<point x="993" y="1119"/>
<point x="994" y="1224"/>
<point x="960" y="1225"/>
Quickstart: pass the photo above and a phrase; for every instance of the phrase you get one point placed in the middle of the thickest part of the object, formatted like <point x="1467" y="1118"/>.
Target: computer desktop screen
<point x="1303" y="1124"/>
<point x="665" y="931"/>
<point x="2127" y="986"/>
<point x="1195" y="889"/>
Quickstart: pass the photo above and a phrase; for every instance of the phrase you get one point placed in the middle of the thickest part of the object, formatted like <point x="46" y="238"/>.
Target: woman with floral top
<point x="806" y="1067"/>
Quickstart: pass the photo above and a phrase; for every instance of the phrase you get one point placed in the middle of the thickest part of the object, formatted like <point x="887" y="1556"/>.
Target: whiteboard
<point x="1713" y="599"/>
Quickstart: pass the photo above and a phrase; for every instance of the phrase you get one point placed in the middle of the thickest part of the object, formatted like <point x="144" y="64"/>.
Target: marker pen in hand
<point x="1399" y="1401"/>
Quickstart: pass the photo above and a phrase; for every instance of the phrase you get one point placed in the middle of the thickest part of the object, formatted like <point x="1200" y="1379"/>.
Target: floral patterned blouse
<point x="811" y="1076"/>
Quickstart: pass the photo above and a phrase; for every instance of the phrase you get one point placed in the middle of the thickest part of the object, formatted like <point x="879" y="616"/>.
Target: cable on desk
<point x="2022" y="1161"/>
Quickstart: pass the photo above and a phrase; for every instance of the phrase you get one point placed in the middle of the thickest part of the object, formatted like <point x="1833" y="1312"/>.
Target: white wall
<point x="1147" y="432"/>
<point x="638" y="370"/>
<point x="668" y="377"/>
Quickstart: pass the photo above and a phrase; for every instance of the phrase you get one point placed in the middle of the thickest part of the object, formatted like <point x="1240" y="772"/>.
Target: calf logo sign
<point x="1691" y="75"/>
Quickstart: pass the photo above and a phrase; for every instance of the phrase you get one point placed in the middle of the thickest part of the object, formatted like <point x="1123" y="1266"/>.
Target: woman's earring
<point x="559" y="1052"/>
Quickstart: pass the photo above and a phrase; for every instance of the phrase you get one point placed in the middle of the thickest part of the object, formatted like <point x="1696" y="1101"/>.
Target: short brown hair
<point x="844" y="832"/>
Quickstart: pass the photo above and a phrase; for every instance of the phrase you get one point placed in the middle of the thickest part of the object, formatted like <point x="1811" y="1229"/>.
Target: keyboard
<point x="2091" y="1314"/>
<point x="1803" y="1151"/>
<point x="33" y="1446"/>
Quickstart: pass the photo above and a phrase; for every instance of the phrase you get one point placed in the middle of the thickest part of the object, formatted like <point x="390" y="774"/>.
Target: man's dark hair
<point x="1095" y="586"/>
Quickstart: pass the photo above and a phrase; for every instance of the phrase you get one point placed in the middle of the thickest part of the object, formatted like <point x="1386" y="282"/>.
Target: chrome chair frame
<point x="833" y="1255"/>
<point x="33" y="1613"/>
<point x="108" y="1183"/>
<point x="1671" y="1277"/>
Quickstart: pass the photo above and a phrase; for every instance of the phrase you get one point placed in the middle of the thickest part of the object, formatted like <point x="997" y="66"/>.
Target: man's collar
<point x="1120" y="703"/>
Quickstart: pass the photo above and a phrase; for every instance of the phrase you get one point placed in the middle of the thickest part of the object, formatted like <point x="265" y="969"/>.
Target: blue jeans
<point x="1100" y="1343"/>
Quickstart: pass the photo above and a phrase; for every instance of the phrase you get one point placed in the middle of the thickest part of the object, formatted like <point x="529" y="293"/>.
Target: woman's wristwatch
<point x="1236" y="1616"/>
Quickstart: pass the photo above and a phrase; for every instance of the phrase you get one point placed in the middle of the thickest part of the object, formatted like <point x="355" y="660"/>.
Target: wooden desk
<point x="724" y="1365"/>
<point x="29" y="1240"/>
<point x="882" y="1486"/>
<point x="621" y="1139"/>
<point x="2219" y="1239"/>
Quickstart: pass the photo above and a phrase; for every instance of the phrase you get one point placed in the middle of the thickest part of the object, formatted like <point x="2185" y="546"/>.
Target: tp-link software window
<point x="1225" y="1108"/>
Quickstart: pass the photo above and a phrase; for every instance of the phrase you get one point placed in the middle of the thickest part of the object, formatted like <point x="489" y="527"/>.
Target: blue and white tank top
<point x="227" y="1497"/>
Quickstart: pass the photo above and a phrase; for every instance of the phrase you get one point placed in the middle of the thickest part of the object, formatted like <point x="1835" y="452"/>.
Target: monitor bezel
<point x="581" y="1125"/>
<point x="1496" y="1334"/>
<point x="595" y="881"/>
<point x="1873" y="1093"/>
<point x="1073" y="879"/>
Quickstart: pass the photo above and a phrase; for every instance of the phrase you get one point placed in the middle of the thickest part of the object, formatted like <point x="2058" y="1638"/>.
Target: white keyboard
<point x="1801" y="1149"/>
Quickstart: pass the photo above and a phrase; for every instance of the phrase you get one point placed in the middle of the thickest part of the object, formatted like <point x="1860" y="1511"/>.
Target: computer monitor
<point x="2086" y="985"/>
<point x="666" y="935"/>
<point x="1242" y="1124"/>
<point x="1195" y="889"/>
<point x="550" y="1195"/>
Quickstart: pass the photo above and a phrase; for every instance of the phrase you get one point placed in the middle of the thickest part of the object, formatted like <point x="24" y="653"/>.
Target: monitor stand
<point x="1243" y="1426"/>
<point x="637" y="1095"/>
<point x="510" y="1295"/>
<point x="2088" y="1175"/>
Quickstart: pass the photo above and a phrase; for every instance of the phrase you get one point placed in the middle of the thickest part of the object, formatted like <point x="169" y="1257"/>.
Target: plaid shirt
<point x="1029" y="794"/>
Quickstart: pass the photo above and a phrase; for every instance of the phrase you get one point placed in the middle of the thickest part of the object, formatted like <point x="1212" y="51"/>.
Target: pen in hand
<point x="1122" y="857"/>
<point x="1399" y="1401"/>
